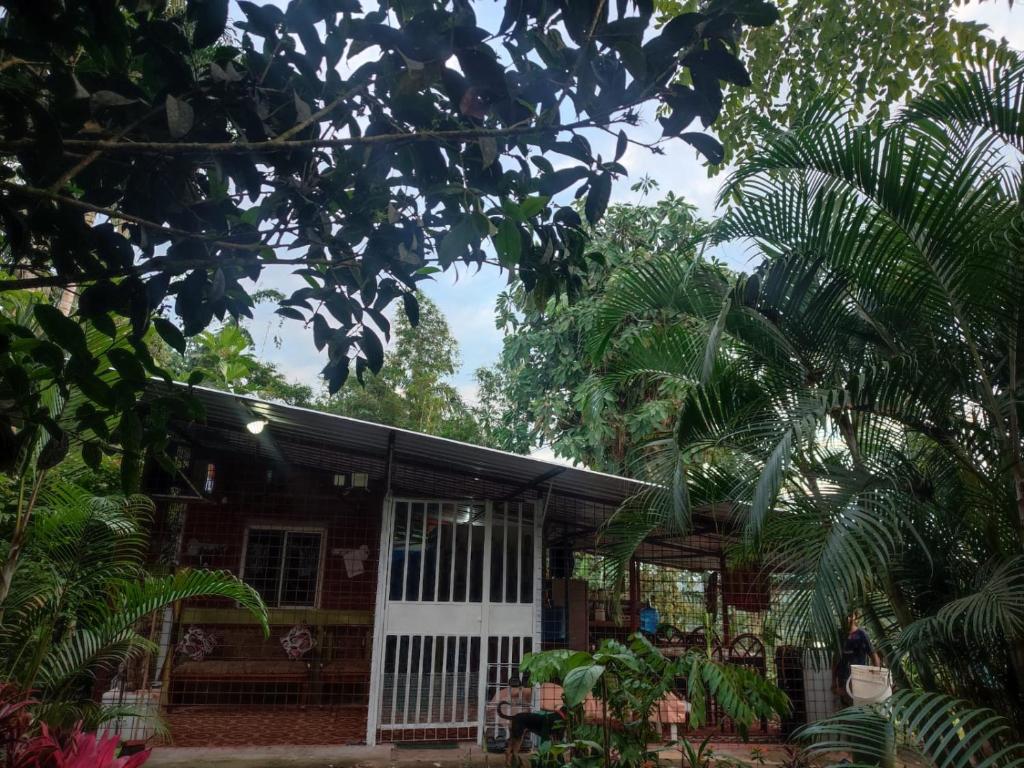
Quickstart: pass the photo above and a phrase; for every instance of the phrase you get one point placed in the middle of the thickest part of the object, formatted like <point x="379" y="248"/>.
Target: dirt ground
<point x="385" y="756"/>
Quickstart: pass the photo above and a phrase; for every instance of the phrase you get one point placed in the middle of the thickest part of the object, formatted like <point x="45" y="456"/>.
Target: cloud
<point x="546" y="453"/>
<point x="1004" y="21"/>
<point x="470" y="394"/>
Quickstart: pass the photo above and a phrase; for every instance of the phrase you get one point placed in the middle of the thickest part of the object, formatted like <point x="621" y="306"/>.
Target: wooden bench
<point x="247" y="669"/>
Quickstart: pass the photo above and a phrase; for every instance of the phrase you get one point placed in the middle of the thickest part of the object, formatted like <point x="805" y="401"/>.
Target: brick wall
<point x="214" y="728"/>
<point x="247" y="691"/>
<point x="214" y="532"/>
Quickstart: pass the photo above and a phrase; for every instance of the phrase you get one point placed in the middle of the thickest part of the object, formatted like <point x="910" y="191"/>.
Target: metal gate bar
<point x="455" y="563"/>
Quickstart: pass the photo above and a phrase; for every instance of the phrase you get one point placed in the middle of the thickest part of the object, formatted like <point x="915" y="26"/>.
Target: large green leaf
<point x="579" y="682"/>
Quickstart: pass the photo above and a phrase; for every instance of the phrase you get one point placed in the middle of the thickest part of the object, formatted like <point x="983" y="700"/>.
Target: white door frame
<point x="501" y="618"/>
<point x="377" y="654"/>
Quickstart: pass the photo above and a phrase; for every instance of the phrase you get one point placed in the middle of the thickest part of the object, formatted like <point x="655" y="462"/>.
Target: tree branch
<point x="315" y="117"/>
<point x="172" y="232"/>
<point x="157" y="264"/>
<point x="274" y="145"/>
<point x="93" y="156"/>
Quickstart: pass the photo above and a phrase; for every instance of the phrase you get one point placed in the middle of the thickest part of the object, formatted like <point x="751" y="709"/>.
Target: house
<point x="405" y="575"/>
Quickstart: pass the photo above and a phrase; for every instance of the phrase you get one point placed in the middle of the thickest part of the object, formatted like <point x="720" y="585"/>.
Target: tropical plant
<point x="15" y="721"/>
<point x="413" y="390"/>
<point x="79" y="595"/>
<point x="227" y="359"/>
<point x="68" y="418"/>
<point x="932" y="727"/>
<point x="154" y="182"/>
<point x="225" y="354"/>
<point x="857" y="399"/>
<point x="630" y="681"/>
<point x="78" y="749"/>
<point x="544" y="366"/>
<point x="700" y="756"/>
<point x="875" y="54"/>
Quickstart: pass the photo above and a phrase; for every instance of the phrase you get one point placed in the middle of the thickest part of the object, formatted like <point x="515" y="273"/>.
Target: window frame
<point x="286" y="529"/>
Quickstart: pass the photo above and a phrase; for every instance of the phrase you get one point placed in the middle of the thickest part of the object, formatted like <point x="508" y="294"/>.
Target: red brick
<point x="217" y="727"/>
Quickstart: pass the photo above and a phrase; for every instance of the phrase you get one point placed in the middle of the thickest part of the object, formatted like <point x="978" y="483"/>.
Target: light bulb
<point x="256" y="426"/>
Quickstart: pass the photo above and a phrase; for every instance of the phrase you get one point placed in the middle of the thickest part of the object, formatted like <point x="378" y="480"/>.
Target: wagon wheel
<point x="669" y="635"/>
<point x="717" y="652"/>
<point x="697" y="639"/>
<point x="747" y="646"/>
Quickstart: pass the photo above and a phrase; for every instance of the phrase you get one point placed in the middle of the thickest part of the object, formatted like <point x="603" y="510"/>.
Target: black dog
<point x="521" y="723"/>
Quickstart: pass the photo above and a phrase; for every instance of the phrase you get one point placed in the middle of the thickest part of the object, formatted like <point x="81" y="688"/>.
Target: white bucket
<point x="869" y="685"/>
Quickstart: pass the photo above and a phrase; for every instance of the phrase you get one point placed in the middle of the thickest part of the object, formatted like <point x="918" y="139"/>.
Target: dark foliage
<point x="158" y="171"/>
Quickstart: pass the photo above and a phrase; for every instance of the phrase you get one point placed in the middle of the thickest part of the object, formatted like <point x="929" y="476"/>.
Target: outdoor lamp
<point x="256" y="426"/>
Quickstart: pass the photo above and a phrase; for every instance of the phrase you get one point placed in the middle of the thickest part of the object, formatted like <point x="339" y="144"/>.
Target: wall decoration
<point x="298" y="642"/>
<point x="355" y="560"/>
<point x="196" y="643"/>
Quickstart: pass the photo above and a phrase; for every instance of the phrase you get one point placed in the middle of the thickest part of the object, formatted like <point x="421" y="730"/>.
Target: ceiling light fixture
<point x="256" y="426"/>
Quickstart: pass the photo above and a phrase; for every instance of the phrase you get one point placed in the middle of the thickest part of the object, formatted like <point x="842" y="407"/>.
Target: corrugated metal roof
<point x="578" y="501"/>
<point x="370" y="439"/>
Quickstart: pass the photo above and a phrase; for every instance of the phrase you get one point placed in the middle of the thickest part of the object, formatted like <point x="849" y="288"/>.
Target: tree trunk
<point x="10" y="565"/>
<point x="604" y="725"/>
<point x="1016" y="647"/>
<point x="7" y="572"/>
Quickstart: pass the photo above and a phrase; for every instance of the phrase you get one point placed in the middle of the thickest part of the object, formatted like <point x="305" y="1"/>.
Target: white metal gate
<point x="461" y="584"/>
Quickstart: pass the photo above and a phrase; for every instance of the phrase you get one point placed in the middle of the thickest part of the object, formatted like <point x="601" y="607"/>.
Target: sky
<point x="467" y="297"/>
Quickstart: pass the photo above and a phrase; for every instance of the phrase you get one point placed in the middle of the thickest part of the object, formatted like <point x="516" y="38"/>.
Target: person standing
<point x="857" y="649"/>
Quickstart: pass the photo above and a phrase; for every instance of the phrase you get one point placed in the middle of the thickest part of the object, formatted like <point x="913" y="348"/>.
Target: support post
<point x="565" y="608"/>
<point x="725" y="610"/>
<point x="485" y="612"/>
<point x="383" y="579"/>
<point x="634" y="595"/>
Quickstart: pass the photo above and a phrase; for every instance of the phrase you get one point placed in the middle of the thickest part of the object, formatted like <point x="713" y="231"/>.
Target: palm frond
<point x="136" y="600"/>
<point x="742" y="694"/>
<point x="832" y="563"/>
<point x="81" y="590"/>
<point x="993" y="613"/>
<point x="991" y="99"/>
<point x="84" y="654"/>
<point x="943" y="731"/>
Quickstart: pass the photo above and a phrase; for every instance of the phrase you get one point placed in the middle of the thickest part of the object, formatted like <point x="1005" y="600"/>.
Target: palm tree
<point x="74" y="587"/>
<point x="80" y="594"/>
<point x="857" y="398"/>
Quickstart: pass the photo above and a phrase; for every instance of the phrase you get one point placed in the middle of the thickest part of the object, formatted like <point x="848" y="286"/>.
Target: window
<point x="283" y="565"/>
